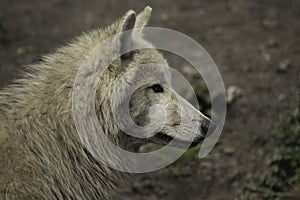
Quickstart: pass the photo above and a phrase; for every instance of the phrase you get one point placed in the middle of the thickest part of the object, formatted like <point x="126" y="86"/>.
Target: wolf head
<point x="145" y="106"/>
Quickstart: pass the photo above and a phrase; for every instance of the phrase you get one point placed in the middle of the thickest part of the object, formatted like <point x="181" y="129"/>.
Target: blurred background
<point x="256" y="46"/>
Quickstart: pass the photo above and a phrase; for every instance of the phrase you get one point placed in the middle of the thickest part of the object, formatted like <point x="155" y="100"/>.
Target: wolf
<point x="41" y="155"/>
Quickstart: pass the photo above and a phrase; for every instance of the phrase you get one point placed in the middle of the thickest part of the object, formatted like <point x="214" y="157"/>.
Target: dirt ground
<point x="254" y="43"/>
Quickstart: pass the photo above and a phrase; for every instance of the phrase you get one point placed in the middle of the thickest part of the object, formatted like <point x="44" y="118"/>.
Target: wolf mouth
<point x="166" y="139"/>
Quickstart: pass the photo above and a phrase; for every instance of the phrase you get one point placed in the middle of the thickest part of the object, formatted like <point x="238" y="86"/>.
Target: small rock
<point x="25" y="50"/>
<point x="164" y="17"/>
<point x="219" y="30"/>
<point x="281" y="97"/>
<point x="266" y="56"/>
<point x="269" y="23"/>
<point x="206" y="165"/>
<point x="271" y="42"/>
<point x="190" y="71"/>
<point x="208" y="178"/>
<point x="284" y="65"/>
<point x="233" y="92"/>
<point x="247" y="68"/>
<point x="228" y="151"/>
<point x="202" y="11"/>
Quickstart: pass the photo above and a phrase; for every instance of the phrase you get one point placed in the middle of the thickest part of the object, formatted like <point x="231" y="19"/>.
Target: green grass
<point x="283" y="179"/>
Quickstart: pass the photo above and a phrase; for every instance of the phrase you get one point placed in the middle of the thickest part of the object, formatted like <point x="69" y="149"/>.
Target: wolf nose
<point x="205" y="126"/>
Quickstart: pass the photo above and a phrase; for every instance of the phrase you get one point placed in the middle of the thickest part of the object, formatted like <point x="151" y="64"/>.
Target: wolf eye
<point x="157" y="88"/>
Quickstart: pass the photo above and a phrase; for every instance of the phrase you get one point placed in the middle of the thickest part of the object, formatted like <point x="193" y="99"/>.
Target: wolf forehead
<point x="150" y="62"/>
<point x="149" y="66"/>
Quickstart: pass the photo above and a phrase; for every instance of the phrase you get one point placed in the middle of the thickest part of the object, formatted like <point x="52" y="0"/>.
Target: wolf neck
<point x="47" y="95"/>
<point x="47" y="92"/>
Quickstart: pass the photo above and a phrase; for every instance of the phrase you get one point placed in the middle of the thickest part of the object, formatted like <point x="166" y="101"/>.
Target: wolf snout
<point x="205" y="125"/>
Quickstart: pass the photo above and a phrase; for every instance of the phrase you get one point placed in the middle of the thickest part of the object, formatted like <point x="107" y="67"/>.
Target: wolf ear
<point x="143" y="17"/>
<point x="126" y="39"/>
